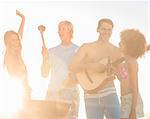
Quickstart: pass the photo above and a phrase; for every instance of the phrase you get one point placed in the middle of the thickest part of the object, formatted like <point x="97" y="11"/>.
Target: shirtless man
<point x="105" y="101"/>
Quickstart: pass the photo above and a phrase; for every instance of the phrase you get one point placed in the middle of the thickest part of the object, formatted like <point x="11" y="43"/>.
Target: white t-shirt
<point x="59" y="58"/>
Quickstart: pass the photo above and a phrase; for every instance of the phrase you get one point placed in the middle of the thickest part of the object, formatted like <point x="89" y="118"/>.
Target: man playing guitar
<point x="88" y="59"/>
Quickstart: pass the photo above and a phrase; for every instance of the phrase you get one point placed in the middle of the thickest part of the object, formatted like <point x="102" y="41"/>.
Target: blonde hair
<point x="68" y="23"/>
<point x="134" y="42"/>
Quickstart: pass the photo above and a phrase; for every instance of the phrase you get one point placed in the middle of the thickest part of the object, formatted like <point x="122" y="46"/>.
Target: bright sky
<point x="84" y="15"/>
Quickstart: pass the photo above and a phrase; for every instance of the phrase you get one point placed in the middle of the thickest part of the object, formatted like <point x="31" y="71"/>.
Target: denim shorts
<point x="97" y="107"/>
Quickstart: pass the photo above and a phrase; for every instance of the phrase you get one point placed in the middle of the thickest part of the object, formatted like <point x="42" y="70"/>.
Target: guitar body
<point x="92" y="81"/>
<point x="87" y="85"/>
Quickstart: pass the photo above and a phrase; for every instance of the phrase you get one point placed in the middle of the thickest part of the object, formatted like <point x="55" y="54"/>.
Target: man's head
<point x="105" y="27"/>
<point x="65" y="30"/>
<point x="132" y="43"/>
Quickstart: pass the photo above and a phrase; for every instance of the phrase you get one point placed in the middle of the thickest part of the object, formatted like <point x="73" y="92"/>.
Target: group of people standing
<point x="67" y="59"/>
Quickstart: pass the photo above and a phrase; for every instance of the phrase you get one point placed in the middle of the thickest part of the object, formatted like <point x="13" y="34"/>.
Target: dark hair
<point x="134" y="42"/>
<point x="105" y="20"/>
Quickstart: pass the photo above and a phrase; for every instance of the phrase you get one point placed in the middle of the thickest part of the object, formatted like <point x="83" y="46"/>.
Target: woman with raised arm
<point x="13" y="62"/>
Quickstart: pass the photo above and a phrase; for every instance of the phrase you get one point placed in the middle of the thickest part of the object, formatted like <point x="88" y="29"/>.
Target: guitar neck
<point x="118" y="61"/>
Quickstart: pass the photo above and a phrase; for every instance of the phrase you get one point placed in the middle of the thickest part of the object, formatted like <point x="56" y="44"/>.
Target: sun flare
<point x="11" y="97"/>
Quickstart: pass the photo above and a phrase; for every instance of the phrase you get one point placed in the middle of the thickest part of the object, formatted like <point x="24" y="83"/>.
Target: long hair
<point x="7" y="36"/>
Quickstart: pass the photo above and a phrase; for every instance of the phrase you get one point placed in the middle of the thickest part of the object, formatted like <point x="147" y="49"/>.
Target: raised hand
<point x="19" y="14"/>
<point x="41" y="28"/>
<point x="20" y="30"/>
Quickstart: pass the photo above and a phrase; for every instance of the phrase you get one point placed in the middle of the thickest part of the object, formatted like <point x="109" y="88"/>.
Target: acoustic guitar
<point x="92" y="81"/>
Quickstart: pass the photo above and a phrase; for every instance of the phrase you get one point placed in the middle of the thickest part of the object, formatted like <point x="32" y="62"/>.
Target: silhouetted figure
<point x="13" y="62"/>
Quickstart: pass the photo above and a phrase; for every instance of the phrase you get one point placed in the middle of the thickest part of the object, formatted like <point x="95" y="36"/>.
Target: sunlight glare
<point x="11" y="95"/>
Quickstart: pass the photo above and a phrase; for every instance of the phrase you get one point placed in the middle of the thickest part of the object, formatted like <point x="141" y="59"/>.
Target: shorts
<point x="126" y="106"/>
<point x="68" y="95"/>
<point x="72" y="95"/>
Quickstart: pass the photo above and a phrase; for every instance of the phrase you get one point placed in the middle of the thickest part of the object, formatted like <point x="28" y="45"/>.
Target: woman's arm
<point x="133" y="71"/>
<point x="20" y="31"/>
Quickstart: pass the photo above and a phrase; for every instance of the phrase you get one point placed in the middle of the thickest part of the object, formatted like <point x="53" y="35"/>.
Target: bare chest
<point x="97" y="54"/>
